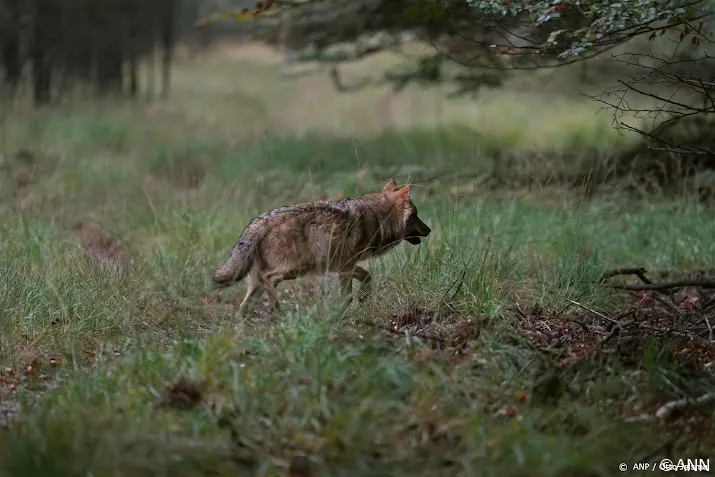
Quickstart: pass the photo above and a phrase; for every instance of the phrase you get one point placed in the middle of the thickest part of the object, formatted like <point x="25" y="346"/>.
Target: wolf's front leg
<point x="365" y="283"/>
<point x="346" y="288"/>
<point x="346" y="284"/>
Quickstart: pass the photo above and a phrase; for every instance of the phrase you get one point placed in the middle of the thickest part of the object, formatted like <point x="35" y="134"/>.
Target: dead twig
<point x="682" y="334"/>
<point x="668" y="304"/>
<point x="521" y="371"/>
<point x="591" y="310"/>
<point x="639" y="272"/>
<point x="668" y="408"/>
<point x="710" y="329"/>
<point x="521" y="312"/>
<point x="648" y="284"/>
<point x="400" y="332"/>
<point x="614" y="331"/>
<point x="568" y="305"/>
<point x="582" y="325"/>
<point x="624" y="314"/>
<point x="617" y="325"/>
<point x="617" y="319"/>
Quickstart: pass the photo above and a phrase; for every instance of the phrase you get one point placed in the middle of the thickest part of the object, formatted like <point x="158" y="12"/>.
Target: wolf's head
<point x="412" y="228"/>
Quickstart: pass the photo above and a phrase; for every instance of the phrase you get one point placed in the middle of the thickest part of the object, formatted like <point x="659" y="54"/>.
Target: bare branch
<point x="697" y="150"/>
<point x="668" y="285"/>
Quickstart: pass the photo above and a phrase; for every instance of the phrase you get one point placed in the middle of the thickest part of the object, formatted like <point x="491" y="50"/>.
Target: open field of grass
<point x="496" y="347"/>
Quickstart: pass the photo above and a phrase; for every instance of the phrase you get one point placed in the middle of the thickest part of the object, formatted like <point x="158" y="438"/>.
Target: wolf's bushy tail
<point x="240" y="261"/>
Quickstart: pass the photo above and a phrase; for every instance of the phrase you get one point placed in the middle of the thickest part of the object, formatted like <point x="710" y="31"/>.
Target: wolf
<point x="320" y="237"/>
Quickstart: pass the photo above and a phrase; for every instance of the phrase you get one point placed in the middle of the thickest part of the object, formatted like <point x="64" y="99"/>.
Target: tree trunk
<point x="109" y="69"/>
<point x="136" y="23"/>
<point x="43" y="37"/>
<point x="133" y="77"/>
<point x="168" y="33"/>
<point x="11" y="44"/>
<point x="112" y="47"/>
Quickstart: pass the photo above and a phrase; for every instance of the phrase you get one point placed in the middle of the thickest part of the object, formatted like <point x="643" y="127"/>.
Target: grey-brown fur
<point x="323" y="236"/>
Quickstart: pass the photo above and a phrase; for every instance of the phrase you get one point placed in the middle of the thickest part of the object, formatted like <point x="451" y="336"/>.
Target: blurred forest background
<point x="647" y="64"/>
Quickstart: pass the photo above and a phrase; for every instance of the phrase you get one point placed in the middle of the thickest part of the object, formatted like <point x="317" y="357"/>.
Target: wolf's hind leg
<point x="254" y="290"/>
<point x="271" y="281"/>
<point x="272" y="294"/>
<point x="346" y="288"/>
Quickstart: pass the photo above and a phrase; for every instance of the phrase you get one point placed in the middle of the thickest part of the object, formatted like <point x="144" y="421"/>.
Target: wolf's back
<point x="240" y="261"/>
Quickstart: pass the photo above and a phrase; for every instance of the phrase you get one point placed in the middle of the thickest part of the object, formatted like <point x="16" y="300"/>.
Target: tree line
<point x="56" y="45"/>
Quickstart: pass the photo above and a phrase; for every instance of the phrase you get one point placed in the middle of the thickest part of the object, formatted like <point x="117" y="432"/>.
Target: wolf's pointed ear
<point x="390" y="186"/>
<point x="404" y="192"/>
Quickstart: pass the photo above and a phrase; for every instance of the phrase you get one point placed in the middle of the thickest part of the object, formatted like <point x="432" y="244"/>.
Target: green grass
<point x="489" y="367"/>
<point x="350" y="404"/>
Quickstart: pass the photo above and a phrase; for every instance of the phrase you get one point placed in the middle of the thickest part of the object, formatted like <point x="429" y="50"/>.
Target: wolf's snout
<point x="419" y="229"/>
<point x="422" y="229"/>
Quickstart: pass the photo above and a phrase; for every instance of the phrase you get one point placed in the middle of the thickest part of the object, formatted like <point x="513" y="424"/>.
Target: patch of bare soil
<point x="34" y="380"/>
<point x="183" y="394"/>
<point x="98" y="246"/>
<point x="455" y="332"/>
<point x="444" y="332"/>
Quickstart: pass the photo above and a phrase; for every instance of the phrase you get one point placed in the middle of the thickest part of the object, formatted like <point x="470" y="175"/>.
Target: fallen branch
<point x="614" y="331"/>
<point x="667" y="285"/>
<point x="667" y="304"/>
<point x="617" y="326"/>
<point x="668" y="408"/>
<point x="639" y="272"/>
<point x="574" y="302"/>
<point x="521" y="312"/>
<point x="648" y="284"/>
